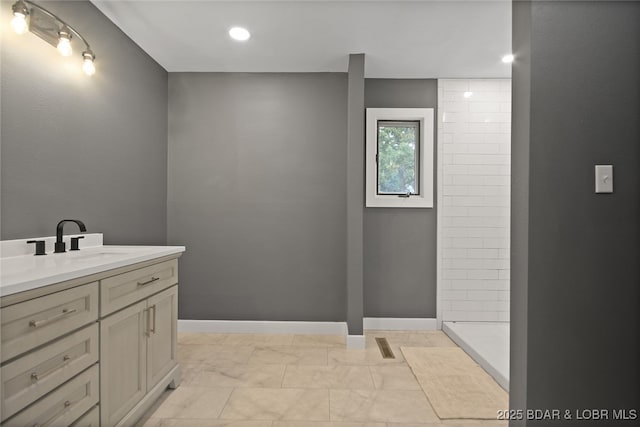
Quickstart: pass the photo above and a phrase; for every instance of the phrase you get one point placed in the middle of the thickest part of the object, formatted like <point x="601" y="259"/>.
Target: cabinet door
<point x="161" y="343"/>
<point x="123" y="356"/>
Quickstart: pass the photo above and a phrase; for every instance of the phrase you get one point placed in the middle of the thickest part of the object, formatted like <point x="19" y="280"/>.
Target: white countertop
<point x="24" y="272"/>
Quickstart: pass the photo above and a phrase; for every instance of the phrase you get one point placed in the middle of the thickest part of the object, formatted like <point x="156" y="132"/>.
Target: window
<point x="399" y="168"/>
<point x="398" y="148"/>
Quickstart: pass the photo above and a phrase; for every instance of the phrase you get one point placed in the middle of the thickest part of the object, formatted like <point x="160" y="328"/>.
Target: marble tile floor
<point x="260" y="380"/>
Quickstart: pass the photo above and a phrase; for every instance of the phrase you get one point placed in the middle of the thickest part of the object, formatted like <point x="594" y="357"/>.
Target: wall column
<point x="355" y="200"/>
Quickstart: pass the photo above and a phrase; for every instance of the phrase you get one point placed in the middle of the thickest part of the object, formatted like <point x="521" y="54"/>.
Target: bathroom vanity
<point x="88" y="338"/>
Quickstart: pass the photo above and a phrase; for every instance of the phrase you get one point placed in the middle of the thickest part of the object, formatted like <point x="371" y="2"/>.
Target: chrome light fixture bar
<point x="28" y="15"/>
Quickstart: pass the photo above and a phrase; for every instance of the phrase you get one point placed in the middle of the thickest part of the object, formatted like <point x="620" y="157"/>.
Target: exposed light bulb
<point x="64" y="46"/>
<point x="507" y="59"/>
<point x="88" y="66"/>
<point x="64" y="42"/>
<point x="19" y="23"/>
<point x="239" y="33"/>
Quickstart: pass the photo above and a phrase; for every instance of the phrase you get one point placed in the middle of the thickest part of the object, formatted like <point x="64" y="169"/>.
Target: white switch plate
<point x="604" y="178"/>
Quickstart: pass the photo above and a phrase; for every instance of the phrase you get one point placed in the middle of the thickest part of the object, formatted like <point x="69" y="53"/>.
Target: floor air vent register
<point x="385" y="348"/>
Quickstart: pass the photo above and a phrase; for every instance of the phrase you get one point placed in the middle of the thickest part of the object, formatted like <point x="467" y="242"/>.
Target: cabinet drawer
<point x="64" y="405"/>
<point x="125" y="289"/>
<point x="31" y="323"/>
<point x="32" y="376"/>
<point x="90" y="419"/>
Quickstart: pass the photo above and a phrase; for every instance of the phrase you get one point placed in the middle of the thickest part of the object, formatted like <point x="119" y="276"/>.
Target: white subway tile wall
<point x="474" y="174"/>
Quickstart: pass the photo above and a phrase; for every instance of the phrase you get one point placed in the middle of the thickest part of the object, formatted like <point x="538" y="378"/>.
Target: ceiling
<point x="401" y="39"/>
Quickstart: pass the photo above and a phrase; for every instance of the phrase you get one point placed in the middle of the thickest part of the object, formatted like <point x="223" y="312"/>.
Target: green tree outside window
<point x="398" y="168"/>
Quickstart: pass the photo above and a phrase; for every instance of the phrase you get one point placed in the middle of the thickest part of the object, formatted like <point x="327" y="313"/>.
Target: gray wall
<point x="257" y="172"/>
<point x="576" y="79"/>
<point x="93" y="148"/>
<point x="400" y="244"/>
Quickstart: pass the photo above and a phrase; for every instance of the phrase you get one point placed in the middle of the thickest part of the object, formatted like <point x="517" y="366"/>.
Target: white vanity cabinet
<point x="92" y="351"/>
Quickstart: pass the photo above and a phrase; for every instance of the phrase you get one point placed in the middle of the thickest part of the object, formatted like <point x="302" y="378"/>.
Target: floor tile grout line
<point x="284" y="373"/>
<point x="373" y="381"/>
<point x="329" y="404"/>
<point x="226" y="403"/>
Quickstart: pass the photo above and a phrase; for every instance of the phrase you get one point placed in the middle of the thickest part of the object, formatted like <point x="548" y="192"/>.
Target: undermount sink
<point x="90" y="256"/>
<point x="84" y="257"/>
<point x="17" y="265"/>
<point x="100" y="253"/>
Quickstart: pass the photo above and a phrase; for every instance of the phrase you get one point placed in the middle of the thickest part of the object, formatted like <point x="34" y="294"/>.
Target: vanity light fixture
<point x="239" y="33"/>
<point x="27" y="15"/>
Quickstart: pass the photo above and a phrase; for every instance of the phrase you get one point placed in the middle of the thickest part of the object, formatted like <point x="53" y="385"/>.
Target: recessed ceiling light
<point x="507" y="59"/>
<point x="467" y="94"/>
<point x="239" y="33"/>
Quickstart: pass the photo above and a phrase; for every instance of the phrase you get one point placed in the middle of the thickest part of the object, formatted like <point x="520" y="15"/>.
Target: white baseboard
<point x="400" y="324"/>
<point x="355" y="342"/>
<point x="262" y="327"/>
<point x="311" y="328"/>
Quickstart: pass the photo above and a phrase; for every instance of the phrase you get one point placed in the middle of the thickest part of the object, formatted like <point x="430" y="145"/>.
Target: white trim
<point x="356" y="342"/>
<point x="439" y="203"/>
<point x="262" y="327"/>
<point x="484" y="363"/>
<point x="400" y="324"/>
<point x="425" y="198"/>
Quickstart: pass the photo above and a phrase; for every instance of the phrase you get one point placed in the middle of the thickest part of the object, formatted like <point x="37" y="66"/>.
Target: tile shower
<point x="474" y="173"/>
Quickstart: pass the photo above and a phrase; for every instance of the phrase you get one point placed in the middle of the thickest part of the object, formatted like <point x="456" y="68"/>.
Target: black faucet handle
<point x="39" y="246"/>
<point x="74" y="243"/>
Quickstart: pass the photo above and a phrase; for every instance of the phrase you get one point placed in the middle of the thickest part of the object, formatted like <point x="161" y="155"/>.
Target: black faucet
<point x="60" y="246"/>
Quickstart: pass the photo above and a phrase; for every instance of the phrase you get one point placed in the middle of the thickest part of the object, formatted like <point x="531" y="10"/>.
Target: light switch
<point x="604" y="178"/>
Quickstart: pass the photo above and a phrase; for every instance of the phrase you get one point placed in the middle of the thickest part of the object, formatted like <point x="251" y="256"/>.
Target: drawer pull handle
<point x="36" y="377"/>
<point x="38" y="323"/>
<point x="56" y="415"/>
<point x="153" y="279"/>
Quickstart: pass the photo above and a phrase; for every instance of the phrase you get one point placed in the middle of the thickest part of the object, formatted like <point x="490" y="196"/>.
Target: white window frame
<point x="425" y="153"/>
